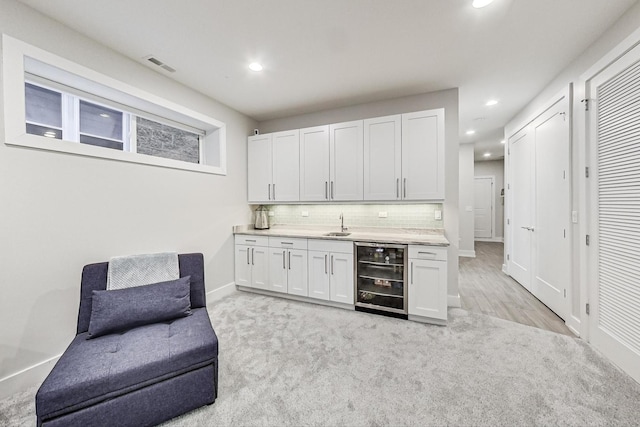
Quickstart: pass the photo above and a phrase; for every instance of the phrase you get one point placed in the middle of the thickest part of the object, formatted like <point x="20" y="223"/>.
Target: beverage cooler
<point x="381" y="278"/>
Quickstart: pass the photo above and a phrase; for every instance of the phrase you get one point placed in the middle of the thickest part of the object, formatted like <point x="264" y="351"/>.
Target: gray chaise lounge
<point x="138" y="377"/>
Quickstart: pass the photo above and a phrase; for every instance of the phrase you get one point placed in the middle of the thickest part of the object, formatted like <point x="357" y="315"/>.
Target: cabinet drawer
<point x="287" y="243"/>
<point x="436" y="253"/>
<point x="326" y="245"/>
<point x="250" y="240"/>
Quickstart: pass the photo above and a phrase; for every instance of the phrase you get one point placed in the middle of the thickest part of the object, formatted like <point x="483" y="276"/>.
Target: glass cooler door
<point x="380" y="277"/>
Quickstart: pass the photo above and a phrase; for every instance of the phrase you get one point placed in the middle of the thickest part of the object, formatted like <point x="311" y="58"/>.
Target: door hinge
<point x="565" y="293"/>
<point x="508" y="223"/>
<point x="586" y="172"/>
<point x="564" y="232"/>
<point x="508" y="186"/>
<point x="587" y="309"/>
<point x="588" y="240"/>
<point x="586" y="104"/>
<point x="507" y="257"/>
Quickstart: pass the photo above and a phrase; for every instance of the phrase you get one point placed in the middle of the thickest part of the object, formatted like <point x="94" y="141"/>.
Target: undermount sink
<point x="337" y="234"/>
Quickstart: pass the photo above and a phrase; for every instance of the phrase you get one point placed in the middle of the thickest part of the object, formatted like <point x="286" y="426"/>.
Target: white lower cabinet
<point x="427" y="294"/>
<point x="252" y="268"/>
<point x="288" y="266"/>
<point x="331" y="270"/>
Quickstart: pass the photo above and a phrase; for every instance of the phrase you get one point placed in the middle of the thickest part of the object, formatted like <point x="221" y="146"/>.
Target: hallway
<point x="484" y="288"/>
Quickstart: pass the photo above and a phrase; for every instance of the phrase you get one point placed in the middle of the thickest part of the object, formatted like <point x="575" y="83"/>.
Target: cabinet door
<point x="382" y="158"/>
<point x="341" y="278"/>
<point x="314" y="164"/>
<point x="427" y="288"/>
<point x="243" y="265"/>
<point x="423" y="155"/>
<point x="277" y="270"/>
<point x="318" y="274"/>
<point x="259" y="267"/>
<point x="297" y="272"/>
<point x="346" y="146"/>
<point x="259" y="179"/>
<point x="286" y="166"/>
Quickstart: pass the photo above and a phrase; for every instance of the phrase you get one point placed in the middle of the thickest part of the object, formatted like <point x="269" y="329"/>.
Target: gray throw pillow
<point x="121" y="309"/>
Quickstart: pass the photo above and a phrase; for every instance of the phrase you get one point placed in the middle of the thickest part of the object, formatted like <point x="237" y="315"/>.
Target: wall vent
<point x="159" y="63"/>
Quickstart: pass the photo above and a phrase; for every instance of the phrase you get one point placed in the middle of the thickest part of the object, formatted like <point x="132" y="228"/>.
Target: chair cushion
<point x="121" y="309"/>
<point x="95" y="370"/>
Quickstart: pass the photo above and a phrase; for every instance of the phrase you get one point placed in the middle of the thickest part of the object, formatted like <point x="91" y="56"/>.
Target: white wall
<point x="494" y="168"/>
<point x="467" y="220"/>
<point x="60" y="212"/>
<point x="622" y="29"/>
<point x="447" y="99"/>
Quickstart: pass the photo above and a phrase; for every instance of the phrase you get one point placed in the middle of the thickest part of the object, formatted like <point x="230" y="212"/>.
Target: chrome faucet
<point x="342" y="227"/>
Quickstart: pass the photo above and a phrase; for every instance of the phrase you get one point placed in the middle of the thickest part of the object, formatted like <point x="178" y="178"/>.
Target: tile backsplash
<point x="398" y="215"/>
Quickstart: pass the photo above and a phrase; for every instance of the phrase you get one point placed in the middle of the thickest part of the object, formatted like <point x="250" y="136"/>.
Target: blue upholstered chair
<point x="142" y="373"/>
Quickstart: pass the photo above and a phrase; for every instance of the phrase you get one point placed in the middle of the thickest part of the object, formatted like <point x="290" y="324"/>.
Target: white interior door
<point x="552" y="256"/>
<point x="521" y="221"/>
<point x="483" y="196"/>
<point x="614" y="138"/>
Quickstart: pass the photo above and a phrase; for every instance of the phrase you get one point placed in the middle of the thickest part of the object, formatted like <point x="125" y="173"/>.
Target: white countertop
<point x="404" y="236"/>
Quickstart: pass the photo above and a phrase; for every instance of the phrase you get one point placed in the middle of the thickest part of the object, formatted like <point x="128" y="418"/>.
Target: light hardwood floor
<point x="484" y="288"/>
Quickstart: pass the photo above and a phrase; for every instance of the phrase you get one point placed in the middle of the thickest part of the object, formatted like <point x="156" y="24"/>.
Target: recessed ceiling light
<point x="503" y="141"/>
<point x="255" y="66"/>
<point x="491" y="102"/>
<point x="487" y="154"/>
<point x="481" y="3"/>
<point x="471" y="132"/>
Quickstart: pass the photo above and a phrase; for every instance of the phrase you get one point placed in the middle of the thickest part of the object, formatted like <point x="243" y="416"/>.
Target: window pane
<point x="44" y="131"/>
<point x="107" y="143"/>
<point x="100" y="121"/>
<point x="157" y="139"/>
<point x="44" y="106"/>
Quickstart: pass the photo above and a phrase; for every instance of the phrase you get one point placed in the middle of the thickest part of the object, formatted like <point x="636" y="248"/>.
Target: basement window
<point x="61" y="106"/>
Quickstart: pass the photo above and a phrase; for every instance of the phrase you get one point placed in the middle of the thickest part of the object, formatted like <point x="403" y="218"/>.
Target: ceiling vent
<point x="159" y="63"/>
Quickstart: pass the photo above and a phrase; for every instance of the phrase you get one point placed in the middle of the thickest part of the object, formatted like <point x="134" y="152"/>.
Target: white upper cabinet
<point x="423" y="155"/>
<point x="259" y="177"/>
<point x="346" y="145"/>
<point x="382" y="158"/>
<point x="314" y="164"/>
<point x="273" y="163"/>
<point x="398" y="157"/>
<point x="286" y="166"/>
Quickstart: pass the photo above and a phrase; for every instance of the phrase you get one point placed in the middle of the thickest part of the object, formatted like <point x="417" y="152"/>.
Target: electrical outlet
<point x="574" y="217"/>
<point x="382" y="214"/>
<point x="305" y="213"/>
<point x="438" y="215"/>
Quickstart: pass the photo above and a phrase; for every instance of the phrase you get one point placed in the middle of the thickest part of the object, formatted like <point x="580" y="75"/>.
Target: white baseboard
<point x="504" y="269"/>
<point x="221" y="292"/>
<point x="454" y="301"/>
<point x="28" y="377"/>
<point x="490" y="239"/>
<point x="574" y="325"/>
<point x="467" y="253"/>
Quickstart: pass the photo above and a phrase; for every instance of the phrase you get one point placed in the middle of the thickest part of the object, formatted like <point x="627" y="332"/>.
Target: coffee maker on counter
<point x="262" y="218"/>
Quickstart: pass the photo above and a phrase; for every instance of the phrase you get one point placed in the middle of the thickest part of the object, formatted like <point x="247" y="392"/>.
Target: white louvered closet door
<point x="614" y="135"/>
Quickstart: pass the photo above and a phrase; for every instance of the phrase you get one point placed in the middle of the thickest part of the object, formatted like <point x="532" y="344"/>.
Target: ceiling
<point x="321" y="54"/>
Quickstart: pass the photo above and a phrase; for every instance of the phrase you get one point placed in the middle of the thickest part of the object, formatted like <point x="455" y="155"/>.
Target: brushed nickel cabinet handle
<point x="332" y="265"/>
<point x="283" y="266"/>
<point x="289" y="260"/>
<point x="397" y="188"/>
<point x="247" y="256"/>
<point x="269" y="190"/>
<point x="325" y="264"/>
<point x="253" y="259"/>
<point x="332" y="195"/>
<point x="326" y="190"/>
<point x="274" y="191"/>
<point x="405" y="188"/>
<point x="412" y="273"/>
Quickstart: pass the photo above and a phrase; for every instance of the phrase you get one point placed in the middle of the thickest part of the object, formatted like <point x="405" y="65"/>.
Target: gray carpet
<point x="291" y="363"/>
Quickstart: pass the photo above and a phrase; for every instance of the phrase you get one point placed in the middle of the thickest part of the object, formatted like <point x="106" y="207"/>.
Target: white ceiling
<point x="320" y="54"/>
